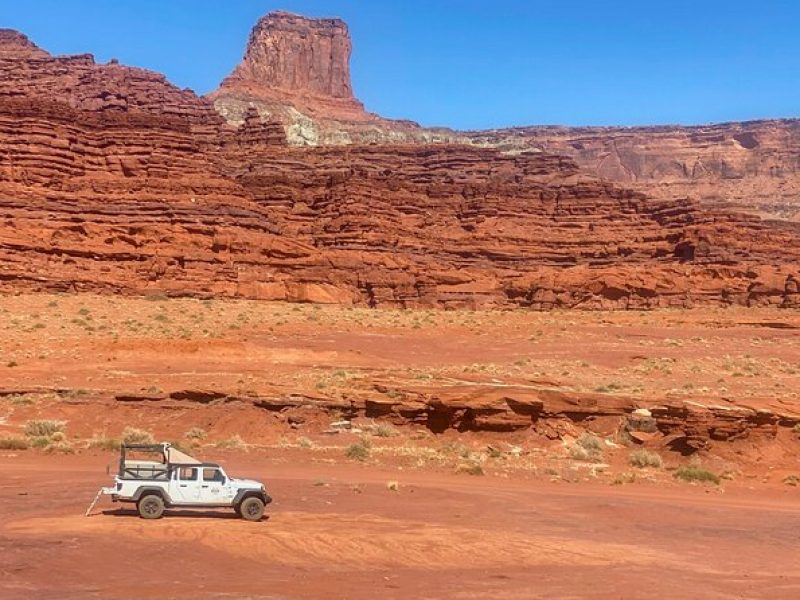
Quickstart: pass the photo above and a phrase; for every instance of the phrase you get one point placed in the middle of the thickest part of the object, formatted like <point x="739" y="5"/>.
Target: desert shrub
<point x="103" y="443"/>
<point x="623" y="478"/>
<point x="587" y="447"/>
<point x="39" y="441"/>
<point x="131" y="435"/>
<point x="383" y="430"/>
<point x="793" y="480"/>
<point x="694" y="473"/>
<point x="304" y="442"/>
<point x="470" y="468"/>
<point x="61" y="445"/>
<point x="358" y="451"/>
<point x="196" y="433"/>
<point x="43" y="427"/>
<point x="234" y="442"/>
<point x="796" y="428"/>
<point x="20" y="400"/>
<point x="590" y="442"/>
<point x="645" y="458"/>
<point x="493" y="452"/>
<point x="13" y="443"/>
<point x="578" y="452"/>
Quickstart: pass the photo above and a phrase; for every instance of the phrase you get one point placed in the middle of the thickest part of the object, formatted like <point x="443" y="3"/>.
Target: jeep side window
<point x="187" y="474"/>
<point x="213" y="475"/>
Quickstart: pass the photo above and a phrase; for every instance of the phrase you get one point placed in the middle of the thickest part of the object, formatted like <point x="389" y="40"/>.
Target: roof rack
<point x="169" y="457"/>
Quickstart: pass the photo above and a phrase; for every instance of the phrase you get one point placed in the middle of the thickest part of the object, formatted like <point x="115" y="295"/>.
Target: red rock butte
<point x="298" y="60"/>
<point x="114" y="180"/>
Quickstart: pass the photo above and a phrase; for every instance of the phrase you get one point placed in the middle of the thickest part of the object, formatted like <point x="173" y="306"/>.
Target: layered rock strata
<point x="114" y="180"/>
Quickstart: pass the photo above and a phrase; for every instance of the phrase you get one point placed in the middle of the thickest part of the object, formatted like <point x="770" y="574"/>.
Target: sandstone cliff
<point x="114" y="180"/>
<point x="296" y="70"/>
<point x="752" y="166"/>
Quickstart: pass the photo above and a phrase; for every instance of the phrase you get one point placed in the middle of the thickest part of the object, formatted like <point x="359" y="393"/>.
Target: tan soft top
<point x="176" y="457"/>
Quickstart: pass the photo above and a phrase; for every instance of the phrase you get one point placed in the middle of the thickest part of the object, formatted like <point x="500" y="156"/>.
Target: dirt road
<point x="337" y="531"/>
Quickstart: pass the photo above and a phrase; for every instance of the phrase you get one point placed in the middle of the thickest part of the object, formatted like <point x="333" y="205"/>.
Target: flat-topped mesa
<point x="304" y="62"/>
<point x="14" y="43"/>
<point x="296" y="70"/>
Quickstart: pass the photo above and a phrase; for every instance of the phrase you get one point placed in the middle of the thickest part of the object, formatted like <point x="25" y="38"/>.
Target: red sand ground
<point x="336" y="531"/>
<point x="537" y="525"/>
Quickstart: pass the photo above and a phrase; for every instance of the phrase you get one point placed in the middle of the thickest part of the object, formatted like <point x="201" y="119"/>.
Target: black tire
<point x="150" y="506"/>
<point x="251" y="509"/>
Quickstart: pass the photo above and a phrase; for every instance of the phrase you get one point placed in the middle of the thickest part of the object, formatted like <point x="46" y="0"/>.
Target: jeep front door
<point x="215" y="488"/>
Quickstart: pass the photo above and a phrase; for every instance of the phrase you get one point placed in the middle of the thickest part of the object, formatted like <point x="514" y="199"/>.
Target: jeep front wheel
<point x="252" y="509"/>
<point x="150" y="507"/>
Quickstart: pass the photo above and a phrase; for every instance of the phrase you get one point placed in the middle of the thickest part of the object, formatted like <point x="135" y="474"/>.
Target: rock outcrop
<point x="113" y="180"/>
<point x="296" y="70"/>
<point x="299" y="61"/>
<point x="752" y="166"/>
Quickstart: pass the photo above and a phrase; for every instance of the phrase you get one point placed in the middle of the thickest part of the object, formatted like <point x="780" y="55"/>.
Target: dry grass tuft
<point x="693" y="473"/>
<point x="470" y="468"/>
<point x="43" y="427"/>
<point x="14" y="443"/>
<point x="131" y="435"/>
<point x="234" y="442"/>
<point x="196" y="433"/>
<point x="644" y="458"/>
<point x="359" y="451"/>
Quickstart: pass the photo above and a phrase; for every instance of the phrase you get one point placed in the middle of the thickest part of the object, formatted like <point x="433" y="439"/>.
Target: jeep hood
<point x="246" y="483"/>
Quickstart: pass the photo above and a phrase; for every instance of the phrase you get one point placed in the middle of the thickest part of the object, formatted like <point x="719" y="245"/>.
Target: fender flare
<point x="145" y="490"/>
<point x="241" y="495"/>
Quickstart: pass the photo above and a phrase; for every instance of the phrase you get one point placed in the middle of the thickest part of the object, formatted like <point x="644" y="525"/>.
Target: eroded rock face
<point x="13" y="43"/>
<point x="296" y="70"/>
<point x="752" y="166"/>
<point x="294" y="55"/>
<point x="113" y="180"/>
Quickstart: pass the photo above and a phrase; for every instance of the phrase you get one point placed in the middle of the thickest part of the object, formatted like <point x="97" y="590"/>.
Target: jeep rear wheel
<point x="251" y="509"/>
<point x="150" y="507"/>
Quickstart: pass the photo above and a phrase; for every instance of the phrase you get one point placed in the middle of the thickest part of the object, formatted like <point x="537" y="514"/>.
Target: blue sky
<point x="477" y="63"/>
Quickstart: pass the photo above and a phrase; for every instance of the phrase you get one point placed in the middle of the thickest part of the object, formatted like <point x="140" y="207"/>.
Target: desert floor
<point x="338" y="531"/>
<point x="414" y="514"/>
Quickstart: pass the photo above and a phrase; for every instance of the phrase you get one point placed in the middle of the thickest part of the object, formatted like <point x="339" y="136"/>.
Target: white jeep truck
<point x="178" y="480"/>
